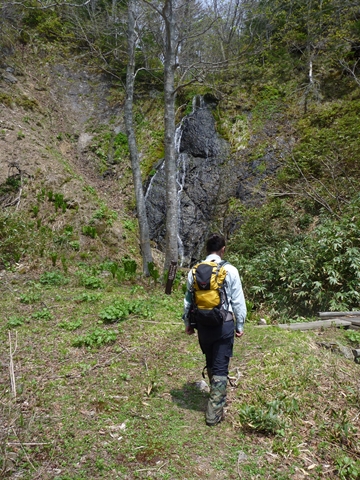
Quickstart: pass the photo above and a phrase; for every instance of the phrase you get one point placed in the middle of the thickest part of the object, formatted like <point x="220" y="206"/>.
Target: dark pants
<point x="217" y="345"/>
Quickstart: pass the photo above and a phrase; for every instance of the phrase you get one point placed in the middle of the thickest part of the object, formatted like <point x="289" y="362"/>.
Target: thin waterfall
<point x="181" y="161"/>
<point x="198" y="102"/>
<point x="156" y="186"/>
<point x="148" y="190"/>
<point x="180" y="180"/>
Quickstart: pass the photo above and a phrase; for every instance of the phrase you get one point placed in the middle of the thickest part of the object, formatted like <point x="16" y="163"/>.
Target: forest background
<point x="285" y="75"/>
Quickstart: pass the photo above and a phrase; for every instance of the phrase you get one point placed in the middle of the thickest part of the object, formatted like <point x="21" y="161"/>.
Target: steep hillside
<point x="53" y="119"/>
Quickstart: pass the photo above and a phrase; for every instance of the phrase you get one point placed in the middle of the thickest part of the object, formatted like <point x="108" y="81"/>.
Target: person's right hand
<point x="189" y="330"/>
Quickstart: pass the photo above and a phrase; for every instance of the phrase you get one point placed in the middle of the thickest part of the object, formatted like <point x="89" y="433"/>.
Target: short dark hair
<point x="215" y="243"/>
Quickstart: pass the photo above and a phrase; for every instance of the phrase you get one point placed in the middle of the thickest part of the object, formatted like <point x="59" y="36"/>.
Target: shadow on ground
<point x="190" y="397"/>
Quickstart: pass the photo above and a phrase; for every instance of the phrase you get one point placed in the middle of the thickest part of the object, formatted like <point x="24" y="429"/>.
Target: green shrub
<point x="154" y="273"/>
<point x="58" y="200"/>
<point x="130" y="266"/>
<point x="116" y="311"/>
<point x="353" y="336"/>
<point x="87" y="297"/>
<point x="348" y="468"/>
<point x="317" y="272"/>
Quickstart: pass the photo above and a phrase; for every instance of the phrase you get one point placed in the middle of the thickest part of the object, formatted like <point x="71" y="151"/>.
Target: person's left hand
<point x="239" y="334"/>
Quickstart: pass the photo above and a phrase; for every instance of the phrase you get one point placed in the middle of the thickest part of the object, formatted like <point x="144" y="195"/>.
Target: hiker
<point x="216" y="342"/>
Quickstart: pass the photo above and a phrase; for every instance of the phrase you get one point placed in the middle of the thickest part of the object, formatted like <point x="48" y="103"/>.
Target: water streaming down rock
<point x="208" y="176"/>
<point x="200" y="151"/>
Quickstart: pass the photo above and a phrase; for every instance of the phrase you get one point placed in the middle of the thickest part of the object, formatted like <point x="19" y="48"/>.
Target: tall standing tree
<point x="134" y="156"/>
<point x="183" y="23"/>
<point x="172" y="214"/>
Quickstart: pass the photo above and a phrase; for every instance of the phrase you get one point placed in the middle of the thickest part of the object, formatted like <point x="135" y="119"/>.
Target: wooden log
<point x="336" y="314"/>
<point x="354" y="321"/>
<point x="336" y="322"/>
<point x="316" y="325"/>
<point x="350" y="318"/>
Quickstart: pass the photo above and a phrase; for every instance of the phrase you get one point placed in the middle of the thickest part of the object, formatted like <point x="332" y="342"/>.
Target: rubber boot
<point x="216" y="402"/>
<point x="209" y="374"/>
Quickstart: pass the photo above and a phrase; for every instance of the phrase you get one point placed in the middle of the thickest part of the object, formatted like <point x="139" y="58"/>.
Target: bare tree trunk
<point x="135" y="164"/>
<point x="171" y="249"/>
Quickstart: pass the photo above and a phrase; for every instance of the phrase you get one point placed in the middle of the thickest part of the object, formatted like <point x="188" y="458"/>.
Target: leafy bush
<point x="125" y="271"/>
<point x="58" y="200"/>
<point x="348" y="469"/>
<point x="319" y="272"/>
<point x="353" y="336"/>
<point x="130" y="266"/>
<point x="115" y="311"/>
<point x="154" y="273"/>
<point x="89" y="231"/>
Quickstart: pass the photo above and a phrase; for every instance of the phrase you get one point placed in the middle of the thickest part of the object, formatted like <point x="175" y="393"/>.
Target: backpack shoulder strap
<point x="224" y="262"/>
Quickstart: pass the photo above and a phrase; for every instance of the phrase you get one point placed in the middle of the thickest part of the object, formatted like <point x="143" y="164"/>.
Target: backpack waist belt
<point x="229" y="317"/>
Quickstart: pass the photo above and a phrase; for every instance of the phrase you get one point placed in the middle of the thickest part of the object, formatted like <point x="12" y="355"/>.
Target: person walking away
<point x="217" y="342"/>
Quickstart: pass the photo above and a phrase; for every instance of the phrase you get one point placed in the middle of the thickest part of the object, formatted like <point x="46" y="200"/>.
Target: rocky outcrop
<point x="208" y="176"/>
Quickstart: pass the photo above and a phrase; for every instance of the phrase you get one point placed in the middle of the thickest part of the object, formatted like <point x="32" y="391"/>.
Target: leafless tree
<point x="135" y="163"/>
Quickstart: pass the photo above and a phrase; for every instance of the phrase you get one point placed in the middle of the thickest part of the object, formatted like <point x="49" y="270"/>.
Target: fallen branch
<point x="29" y="444"/>
<point x="22" y="446"/>
<point x="160" y="323"/>
<point x="11" y="365"/>
<point x="157" y="469"/>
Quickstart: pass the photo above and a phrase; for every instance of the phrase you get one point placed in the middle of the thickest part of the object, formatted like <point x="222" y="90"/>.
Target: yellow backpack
<point x="208" y="294"/>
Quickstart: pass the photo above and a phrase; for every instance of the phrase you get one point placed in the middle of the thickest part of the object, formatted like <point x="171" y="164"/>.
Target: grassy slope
<point x="131" y="409"/>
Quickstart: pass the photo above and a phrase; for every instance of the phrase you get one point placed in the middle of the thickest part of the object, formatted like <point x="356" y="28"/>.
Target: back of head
<point x="215" y="243"/>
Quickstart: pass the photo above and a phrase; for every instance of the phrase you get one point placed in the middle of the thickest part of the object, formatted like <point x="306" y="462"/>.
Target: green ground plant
<point x="96" y="338"/>
<point x="15" y="322"/>
<point x="19" y="238"/>
<point x="53" y="278"/>
<point x="70" y="325"/>
<point x="92" y="282"/>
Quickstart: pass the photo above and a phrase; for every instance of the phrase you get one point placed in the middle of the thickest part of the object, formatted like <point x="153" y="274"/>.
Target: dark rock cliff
<point x="208" y="176"/>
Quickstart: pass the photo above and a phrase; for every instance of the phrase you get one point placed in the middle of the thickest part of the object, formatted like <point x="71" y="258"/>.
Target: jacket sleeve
<point x="236" y="297"/>
<point x="187" y="299"/>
